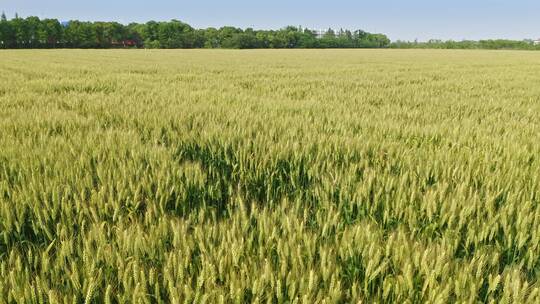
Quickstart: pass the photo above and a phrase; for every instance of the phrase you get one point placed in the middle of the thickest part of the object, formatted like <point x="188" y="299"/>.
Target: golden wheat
<point x="299" y="176"/>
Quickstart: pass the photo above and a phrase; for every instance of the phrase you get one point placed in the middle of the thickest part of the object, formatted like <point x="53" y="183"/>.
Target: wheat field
<point x="269" y="176"/>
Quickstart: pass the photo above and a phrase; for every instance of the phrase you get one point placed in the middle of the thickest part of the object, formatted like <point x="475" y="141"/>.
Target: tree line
<point x="33" y="32"/>
<point x="492" y="44"/>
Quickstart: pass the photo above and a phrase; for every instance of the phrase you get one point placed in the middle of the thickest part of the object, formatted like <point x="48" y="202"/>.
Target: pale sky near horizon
<point x="407" y="20"/>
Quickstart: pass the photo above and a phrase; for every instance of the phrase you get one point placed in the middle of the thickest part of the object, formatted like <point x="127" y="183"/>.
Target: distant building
<point x="124" y="43"/>
<point x="536" y="42"/>
<point x="319" y="33"/>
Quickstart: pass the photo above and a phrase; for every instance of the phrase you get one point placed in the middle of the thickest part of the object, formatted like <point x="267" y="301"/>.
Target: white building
<point x="536" y="42"/>
<point x="320" y="33"/>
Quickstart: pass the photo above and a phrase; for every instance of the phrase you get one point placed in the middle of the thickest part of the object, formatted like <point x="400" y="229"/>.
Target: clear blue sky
<point x="399" y="19"/>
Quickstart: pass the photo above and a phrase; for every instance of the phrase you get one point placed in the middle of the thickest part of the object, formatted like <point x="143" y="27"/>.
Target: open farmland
<point x="300" y="176"/>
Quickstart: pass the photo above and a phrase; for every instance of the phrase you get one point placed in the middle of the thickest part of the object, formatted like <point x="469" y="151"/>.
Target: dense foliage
<point x="335" y="176"/>
<point x="498" y="44"/>
<point x="32" y="32"/>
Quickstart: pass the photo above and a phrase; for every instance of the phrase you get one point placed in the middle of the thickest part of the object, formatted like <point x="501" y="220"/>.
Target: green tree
<point x="80" y="35"/>
<point x="149" y="34"/>
<point x="33" y="26"/>
<point x="175" y="34"/>
<point x="109" y="34"/>
<point x="263" y="39"/>
<point x="50" y="33"/>
<point x="227" y="37"/>
<point x="211" y="38"/>
<point x="132" y="33"/>
<point x="5" y="30"/>
<point x="308" y="39"/>
<point x="330" y="34"/>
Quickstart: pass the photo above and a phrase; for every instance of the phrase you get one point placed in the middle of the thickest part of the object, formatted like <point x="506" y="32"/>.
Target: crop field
<point x="269" y="176"/>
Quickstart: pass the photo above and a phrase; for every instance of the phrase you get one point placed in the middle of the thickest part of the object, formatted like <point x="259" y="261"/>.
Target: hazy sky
<point x="422" y="19"/>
